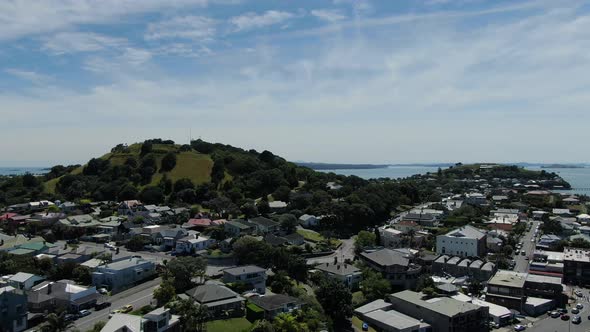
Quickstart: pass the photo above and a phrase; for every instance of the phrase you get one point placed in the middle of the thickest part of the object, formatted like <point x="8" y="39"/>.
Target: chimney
<point x="49" y="288"/>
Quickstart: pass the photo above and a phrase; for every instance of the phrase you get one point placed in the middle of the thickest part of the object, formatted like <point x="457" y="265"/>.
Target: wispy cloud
<point x="183" y="27"/>
<point x="253" y="20"/>
<point x="72" y="42"/>
<point x="330" y="15"/>
<point x="20" y="18"/>
<point x="28" y="75"/>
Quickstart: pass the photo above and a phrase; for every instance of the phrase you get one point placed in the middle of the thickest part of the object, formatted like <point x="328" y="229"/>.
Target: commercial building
<point x="123" y="274"/>
<point x="381" y="315"/>
<point x="442" y="313"/>
<point x="466" y="241"/>
<point x="506" y="288"/>
<point x="576" y="266"/>
<point x="63" y="294"/>
<point x="390" y="237"/>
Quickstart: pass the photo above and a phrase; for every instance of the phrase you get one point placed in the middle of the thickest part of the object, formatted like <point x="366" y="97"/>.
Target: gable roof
<point x="387" y="257"/>
<point x="262" y="221"/>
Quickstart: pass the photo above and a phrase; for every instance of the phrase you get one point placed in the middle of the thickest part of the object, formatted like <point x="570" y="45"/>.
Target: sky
<point x="349" y="81"/>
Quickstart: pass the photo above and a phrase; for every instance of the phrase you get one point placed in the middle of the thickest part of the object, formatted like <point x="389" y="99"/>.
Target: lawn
<point x="359" y="324"/>
<point x="191" y="165"/>
<point x="316" y="237"/>
<point x="234" y="324"/>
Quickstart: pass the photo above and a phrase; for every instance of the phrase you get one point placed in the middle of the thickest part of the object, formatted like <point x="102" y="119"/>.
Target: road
<point x="137" y="296"/>
<point x="346" y="251"/>
<point x="522" y="264"/>
<point x="549" y="324"/>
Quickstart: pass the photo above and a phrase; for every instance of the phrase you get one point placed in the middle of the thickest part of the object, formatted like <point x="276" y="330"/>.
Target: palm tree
<point x="56" y="323"/>
<point x="288" y="323"/>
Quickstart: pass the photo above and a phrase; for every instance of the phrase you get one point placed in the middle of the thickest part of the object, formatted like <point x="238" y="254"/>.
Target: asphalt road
<point x="522" y="264"/>
<point x="346" y="251"/>
<point x="137" y="296"/>
<point x="549" y="324"/>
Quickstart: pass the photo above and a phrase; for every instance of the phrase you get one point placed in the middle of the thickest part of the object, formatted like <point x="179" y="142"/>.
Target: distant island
<point x="324" y="166"/>
<point x="561" y="166"/>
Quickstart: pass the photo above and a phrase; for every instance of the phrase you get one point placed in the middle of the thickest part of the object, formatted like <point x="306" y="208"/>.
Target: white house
<point x="390" y="237"/>
<point x="466" y="241"/>
<point x="193" y="243"/>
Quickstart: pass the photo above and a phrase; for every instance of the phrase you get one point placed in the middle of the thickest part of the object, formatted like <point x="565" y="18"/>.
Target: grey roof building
<point x="350" y="275"/>
<point x="218" y="299"/>
<point x="276" y="304"/>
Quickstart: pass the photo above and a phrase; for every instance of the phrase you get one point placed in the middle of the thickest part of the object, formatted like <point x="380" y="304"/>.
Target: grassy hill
<point x="190" y="165"/>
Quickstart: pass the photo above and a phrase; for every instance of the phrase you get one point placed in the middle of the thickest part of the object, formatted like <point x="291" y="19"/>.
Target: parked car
<point x="102" y="305"/>
<point x="523" y="253"/>
<point x="103" y="291"/>
<point x="580" y="306"/>
<point x="575" y="311"/>
<point x="84" y="313"/>
<point x="519" y="327"/>
<point x="562" y="310"/>
<point x="70" y="317"/>
<point x="577" y="320"/>
<point x="126" y="309"/>
<point x="555" y="314"/>
<point x="578" y="292"/>
<point x="565" y="317"/>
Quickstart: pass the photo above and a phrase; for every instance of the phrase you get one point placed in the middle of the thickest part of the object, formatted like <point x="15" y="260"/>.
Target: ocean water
<point x="392" y="172"/>
<point x="22" y="170"/>
<point x="579" y="178"/>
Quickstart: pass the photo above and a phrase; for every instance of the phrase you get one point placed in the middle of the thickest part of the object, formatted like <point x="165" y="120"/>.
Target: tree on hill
<point x="168" y="162"/>
<point x="146" y="147"/>
<point x="182" y="184"/>
<point x="184" y="269"/>
<point x="288" y="223"/>
<point x="152" y="195"/>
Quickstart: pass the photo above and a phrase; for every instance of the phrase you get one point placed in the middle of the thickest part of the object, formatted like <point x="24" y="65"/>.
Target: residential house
<point x="348" y="274"/>
<point x="307" y="220"/>
<point x="583" y="218"/>
<point x="423" y="219"/>
<point x="238" y="227"/>
<point x="547" y="241"/>
<point x="24" y="281"/>
<point x="442" y="313"/>
<point x="406" y="226"/>
<point x="264" y="225"/>
<point x="562" y="212"/>
<point x="248" y="274"/>
<point x="475" y="199"/>
<point x="68" y="207"/>
<point x="122" y="274"/>
<point x="277" y="304"/>
<point x="539" y="215"/>
<point x="158" y="320"/>
<point x="396" y="266"/>
<point x="277" y="206"/>
<point x="466" y="241"/>
<point x="49" y="296"/>
<point x="168" y="237"/>
<point x="193" y="243"/>
<point x="128" y="208"/>
<point x="32" y="248"/>
<point x="13" y="306"/>
<point x="294" y="239"/>
<point x="220" y="301"/>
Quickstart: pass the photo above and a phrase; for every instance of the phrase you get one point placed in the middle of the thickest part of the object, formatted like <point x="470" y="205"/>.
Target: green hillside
<point x="190" y="165"/>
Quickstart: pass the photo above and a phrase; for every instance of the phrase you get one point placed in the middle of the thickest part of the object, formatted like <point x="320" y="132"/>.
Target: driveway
<point x="346" y="251"/>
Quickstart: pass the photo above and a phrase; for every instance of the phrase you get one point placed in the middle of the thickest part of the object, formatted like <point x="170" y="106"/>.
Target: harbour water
<point x="579" y="178"/>
<point x="22" y="170"/>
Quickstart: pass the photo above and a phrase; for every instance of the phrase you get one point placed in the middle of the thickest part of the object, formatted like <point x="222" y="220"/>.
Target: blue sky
<point x="326" y="81"/>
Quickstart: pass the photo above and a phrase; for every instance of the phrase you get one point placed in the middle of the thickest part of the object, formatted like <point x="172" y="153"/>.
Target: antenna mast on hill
<point x="190" y="135"/>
